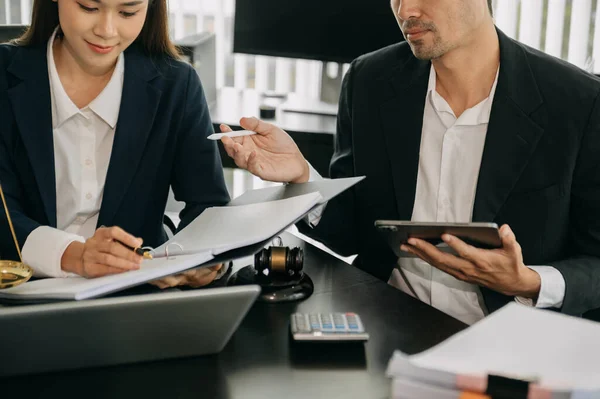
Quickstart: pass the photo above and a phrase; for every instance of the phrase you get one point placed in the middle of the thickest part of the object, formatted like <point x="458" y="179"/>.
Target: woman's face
<point x="97" y="31"/>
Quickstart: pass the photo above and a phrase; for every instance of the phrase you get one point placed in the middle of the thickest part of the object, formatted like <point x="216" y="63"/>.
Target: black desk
<point x="312" y="133"/>
<point x="259" y="362"/>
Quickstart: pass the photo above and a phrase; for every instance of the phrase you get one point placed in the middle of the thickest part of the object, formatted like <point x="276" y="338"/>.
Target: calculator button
<point x="314" y="322"/>
<point x="340" y="322"/>
<point x="326" y="324"/>
<point x="301" y="324"/>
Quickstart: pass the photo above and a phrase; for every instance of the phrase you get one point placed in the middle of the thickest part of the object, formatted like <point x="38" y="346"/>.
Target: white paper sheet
<point x="78" y="288"/>
<point x="563" y="352"/>
<point x="220" y="229"/>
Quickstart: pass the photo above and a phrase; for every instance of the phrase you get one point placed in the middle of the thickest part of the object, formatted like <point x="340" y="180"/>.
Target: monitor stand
<point x="327" y="104"/>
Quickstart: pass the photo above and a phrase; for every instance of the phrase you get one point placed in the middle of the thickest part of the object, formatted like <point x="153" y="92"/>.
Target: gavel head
<point x="279" y="261"/>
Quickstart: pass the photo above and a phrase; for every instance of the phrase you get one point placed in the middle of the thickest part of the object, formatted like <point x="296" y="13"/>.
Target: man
<point x="461" y="123"/>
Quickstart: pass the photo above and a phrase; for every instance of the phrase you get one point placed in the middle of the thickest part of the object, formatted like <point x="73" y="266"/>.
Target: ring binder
<point x="152" y="251"/>
<point x="166" y="253"/>
<point x="238" y="228"/>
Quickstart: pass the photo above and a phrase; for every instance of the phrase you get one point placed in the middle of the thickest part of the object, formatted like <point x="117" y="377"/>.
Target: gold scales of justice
<point x="13" y="273"/>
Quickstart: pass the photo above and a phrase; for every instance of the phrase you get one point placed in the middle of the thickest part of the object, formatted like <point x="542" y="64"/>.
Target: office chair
<point x="10" y="32"/>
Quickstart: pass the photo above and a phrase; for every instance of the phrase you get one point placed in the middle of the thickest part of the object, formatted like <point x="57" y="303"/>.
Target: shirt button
<point x="88" y="162"/>
<point x="446" y="202"/>
<point x="88" y="196"/>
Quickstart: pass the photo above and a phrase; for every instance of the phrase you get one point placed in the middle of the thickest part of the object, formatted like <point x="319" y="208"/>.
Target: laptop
<point x="119" y="330"/>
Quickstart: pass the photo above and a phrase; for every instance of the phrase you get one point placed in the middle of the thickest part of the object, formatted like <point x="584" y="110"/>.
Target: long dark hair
<point x="154" y="38"/>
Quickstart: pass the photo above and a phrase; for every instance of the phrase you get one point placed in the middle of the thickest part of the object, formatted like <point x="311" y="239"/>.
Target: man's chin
<point x="422" y="55"/>
<point x="425" y="54"/>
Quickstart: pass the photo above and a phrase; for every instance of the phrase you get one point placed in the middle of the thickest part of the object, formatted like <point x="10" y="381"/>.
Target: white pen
<point x="235" y="133"/>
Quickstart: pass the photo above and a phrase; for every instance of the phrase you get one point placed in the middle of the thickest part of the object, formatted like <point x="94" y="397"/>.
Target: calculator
<point x="322" y="327"/>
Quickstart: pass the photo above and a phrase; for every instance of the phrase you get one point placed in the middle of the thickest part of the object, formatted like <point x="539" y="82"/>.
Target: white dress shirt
<point x="449" y="161"/>
<point x="83" y="140"/>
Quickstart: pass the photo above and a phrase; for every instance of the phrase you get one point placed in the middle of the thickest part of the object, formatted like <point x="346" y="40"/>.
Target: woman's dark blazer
<point x="160" y="142"/>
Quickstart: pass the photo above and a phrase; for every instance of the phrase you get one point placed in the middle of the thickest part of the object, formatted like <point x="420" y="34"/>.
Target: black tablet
<point x="397" y="232"/>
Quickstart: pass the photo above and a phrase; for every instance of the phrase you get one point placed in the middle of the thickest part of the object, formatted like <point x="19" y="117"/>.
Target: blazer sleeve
<point x="337" y="226"/>
<point x="581" y="270"/>
<point x="197" y="177"/>
<point x="12" y="187"/>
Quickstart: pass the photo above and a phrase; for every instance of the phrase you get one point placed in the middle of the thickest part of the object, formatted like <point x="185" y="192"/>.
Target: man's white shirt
<point x="449" y="162"/>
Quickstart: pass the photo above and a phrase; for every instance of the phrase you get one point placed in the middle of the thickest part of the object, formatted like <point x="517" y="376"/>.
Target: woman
<point x="98" y="119"/>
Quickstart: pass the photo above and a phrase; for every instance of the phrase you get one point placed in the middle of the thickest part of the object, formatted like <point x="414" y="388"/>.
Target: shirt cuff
<point x="552" y="290"/>
<point x="314" y="217"/>
<point x="44" y="248"/>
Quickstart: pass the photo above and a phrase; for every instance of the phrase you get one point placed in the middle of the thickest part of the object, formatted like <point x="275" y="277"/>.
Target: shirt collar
<point x="477" y="115"/>
<point x="105" y="105"/>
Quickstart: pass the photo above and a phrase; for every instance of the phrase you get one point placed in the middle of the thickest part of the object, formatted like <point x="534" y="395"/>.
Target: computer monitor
<point x="324" y="30"/>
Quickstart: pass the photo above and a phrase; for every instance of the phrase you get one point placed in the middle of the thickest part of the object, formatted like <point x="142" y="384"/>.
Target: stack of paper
<point x="215" y="231"/>
<point x="515" y="352"/>
<point x="248" y="221"/>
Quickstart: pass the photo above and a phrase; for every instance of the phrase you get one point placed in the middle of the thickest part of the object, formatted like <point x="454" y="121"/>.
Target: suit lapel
<point x="402" y="119"/>
<point x="31" y="104"/>
<point x="512" y="135"/>
<point x="139" y="104"/>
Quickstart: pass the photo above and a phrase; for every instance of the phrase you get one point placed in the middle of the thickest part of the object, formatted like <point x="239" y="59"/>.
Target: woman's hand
<point x="192" y="278"/>
<point x="102" y="254"/>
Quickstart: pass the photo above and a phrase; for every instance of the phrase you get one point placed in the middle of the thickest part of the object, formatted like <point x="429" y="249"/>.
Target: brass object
<point x="13" y="273"/>
<point x="143" y="252"/>
<point x="278" y="256"/>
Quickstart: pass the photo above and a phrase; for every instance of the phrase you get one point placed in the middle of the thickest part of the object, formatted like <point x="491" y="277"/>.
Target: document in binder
<point x="516" y="352"/>
<point x="215" y="231"/>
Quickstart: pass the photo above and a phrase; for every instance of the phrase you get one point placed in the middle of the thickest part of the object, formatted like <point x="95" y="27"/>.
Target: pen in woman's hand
<point x="145" y="253"/>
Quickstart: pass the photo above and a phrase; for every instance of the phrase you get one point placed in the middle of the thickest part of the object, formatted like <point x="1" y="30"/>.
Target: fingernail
<point x="403" y="248"/>
<point x="446" y="238"/>
<point x="412" y="241"/>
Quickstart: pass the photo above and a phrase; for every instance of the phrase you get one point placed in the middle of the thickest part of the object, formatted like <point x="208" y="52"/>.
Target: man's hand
<point x="271" y="154"/>
<point x="192" y="278"/>
<point x="102" y="254"/>
<point x="501" y="269"/>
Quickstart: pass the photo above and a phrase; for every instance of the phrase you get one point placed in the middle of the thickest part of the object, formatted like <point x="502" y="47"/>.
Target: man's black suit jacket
<point x="540" y="171"/>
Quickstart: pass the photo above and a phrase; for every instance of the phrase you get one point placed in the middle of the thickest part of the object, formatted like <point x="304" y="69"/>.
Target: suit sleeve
<point x="13" y="193"/>
<point x="337" y="226"/>
<point x="197" y="176"/>
<point x="41" y="246"/>
<point x="582" y="270"/>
